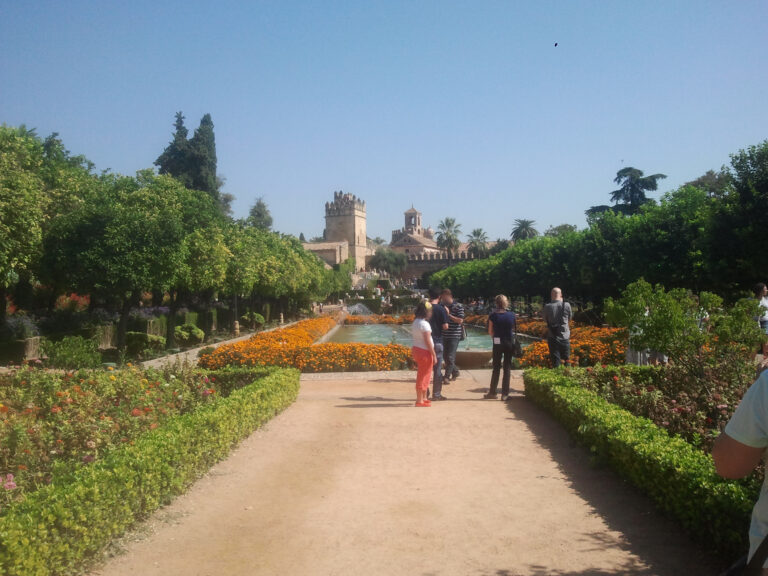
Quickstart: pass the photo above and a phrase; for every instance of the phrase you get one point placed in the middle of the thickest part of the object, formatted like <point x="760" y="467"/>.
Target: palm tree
<point x="448" y="235"/>
<point x="478" y="242"/>
<point x="633" y="186"/>
<point x="524" y="229"/>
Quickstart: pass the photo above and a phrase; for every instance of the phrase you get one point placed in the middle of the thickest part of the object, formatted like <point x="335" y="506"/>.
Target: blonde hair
<point x="502" y="302"/>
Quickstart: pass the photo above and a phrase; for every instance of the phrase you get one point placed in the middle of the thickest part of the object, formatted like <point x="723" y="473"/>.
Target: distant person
<point x="740" y="448"/>
<point x="502" y="326"/>
<point x="452" y="336"/>
<point x="761" y="293"/>
<point x="557" y="315"/>
<point x="439" y="323"/>
<point x="423" y="351"/>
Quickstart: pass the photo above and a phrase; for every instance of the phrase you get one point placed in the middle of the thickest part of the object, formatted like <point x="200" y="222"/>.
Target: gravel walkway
<point x="354" y="480"/>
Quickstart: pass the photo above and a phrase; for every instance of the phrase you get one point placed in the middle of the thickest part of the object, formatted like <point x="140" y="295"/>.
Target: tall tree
<point x="523" y="230"/>
<point x="174" y="160"/>
<point x="22" y="205"/>
<point x="202" y="155"/>
<point x="259" y="215"/>
<point x="478" y="243"/>
<point x="448" y="231"/>
<point x="632" y="188"/>
<point x="193" y="161"/>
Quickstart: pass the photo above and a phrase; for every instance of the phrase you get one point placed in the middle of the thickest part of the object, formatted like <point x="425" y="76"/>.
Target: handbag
<point x="752" y="568"/>
<point x="463" y="333"/>
<point x="517" y="348"/>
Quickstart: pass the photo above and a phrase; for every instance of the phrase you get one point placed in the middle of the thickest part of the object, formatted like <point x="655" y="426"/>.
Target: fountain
<point x="359" y="310"/>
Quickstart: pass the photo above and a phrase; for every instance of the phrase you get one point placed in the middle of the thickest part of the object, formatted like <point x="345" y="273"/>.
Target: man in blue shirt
<point x="438" y="323"/>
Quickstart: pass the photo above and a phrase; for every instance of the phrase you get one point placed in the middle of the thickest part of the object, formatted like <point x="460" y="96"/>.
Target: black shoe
<point x="455" y="375"/>
<point x="438" y="398"/>
<point x="490" y="396"/>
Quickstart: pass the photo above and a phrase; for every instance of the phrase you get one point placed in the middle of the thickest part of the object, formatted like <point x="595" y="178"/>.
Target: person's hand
<point x="434" y="359"/>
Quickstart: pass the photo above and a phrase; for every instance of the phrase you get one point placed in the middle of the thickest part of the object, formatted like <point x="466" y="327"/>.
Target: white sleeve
<point x="749" y="424"/>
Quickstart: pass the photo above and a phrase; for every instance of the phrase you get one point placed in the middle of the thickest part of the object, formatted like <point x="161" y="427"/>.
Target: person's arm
<point x="733" y="459"/>
<point x="445" y="323"/>
<point x="490" y="328"/>
<point x="740" y="447"/>
<point x="431" y="347"/>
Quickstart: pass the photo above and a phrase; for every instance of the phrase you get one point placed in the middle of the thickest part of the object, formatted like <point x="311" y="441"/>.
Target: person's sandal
<point x="423" y="405"/>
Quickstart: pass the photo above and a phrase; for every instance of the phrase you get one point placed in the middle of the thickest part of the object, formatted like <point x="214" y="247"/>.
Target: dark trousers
<point x="437" y="374"/>
<point x="559" y="350"/>
<point x="502" y="358"/>
<point x="450" y="346"/>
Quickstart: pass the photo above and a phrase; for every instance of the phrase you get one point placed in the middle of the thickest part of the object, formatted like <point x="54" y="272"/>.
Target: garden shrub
<point x="71" y="353"/>
<point x="679" y="478"/>
<point x="697" y="409"/>
<point x="205" y="351"/>
<point x="252" y="319"/>
<point x="139" y="343"/>
<point x="53" y="529"/>
<point x="188" y="335"/>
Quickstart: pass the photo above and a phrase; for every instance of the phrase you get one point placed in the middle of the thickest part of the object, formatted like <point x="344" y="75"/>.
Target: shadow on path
<point x="647" y="534"/>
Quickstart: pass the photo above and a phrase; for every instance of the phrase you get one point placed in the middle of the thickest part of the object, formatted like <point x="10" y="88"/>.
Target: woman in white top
<point x="423" y="351"/>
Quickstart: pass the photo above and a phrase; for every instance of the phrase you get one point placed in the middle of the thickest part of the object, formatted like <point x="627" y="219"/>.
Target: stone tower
<point x="345" y="220"/>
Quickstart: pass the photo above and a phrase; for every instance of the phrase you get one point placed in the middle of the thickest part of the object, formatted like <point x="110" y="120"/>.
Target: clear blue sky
<point x="462" y="109"/>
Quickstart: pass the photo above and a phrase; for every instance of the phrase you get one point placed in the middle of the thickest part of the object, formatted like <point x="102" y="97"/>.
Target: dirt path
<point x="353" y="480"/>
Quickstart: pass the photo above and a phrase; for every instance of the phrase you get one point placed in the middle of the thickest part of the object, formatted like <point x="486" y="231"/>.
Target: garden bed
<point x="294" y="347"/>
<point x="71" y="509"/>
<point x="677" y="476"/>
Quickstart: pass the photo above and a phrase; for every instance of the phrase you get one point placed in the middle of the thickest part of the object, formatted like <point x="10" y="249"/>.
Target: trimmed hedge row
<point x="679" y="478"/>
<point x="54" y="529"/>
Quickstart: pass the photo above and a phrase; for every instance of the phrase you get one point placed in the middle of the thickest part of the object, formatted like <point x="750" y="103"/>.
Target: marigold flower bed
<point x="590" y="346"/>
<point x="293" y="347"/>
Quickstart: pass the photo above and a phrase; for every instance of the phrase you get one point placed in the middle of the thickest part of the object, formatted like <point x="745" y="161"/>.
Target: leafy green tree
<point x="735" y="246"/>
<point x="22" y="206"/>
<point x="524" y="230"/>
<point x="715" y="184"/>
<point x="126" y="238"/>
<point x="448" y="231"/>
<point x="302" y="238"/>
<point x="632" y="188"/>
<point x="259" y="215"/>
<point x="388" y="260"/>
<point x="477" y="243"/>
<point x="560" y="230"/>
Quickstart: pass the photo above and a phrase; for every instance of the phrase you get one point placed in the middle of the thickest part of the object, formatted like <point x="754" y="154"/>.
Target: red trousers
<point x="424" y="362"/>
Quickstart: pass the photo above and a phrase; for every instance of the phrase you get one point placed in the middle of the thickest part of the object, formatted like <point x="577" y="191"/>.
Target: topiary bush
<point x="189" y="335"/>
<point x="72" y="353"/>
<point x="140" y="344"/>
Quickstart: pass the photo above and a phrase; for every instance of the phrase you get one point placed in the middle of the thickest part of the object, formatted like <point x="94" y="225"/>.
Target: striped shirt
<point x="454" y="329"/>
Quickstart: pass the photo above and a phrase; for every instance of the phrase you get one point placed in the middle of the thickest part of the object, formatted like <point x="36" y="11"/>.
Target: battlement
<point x="344" y="204"/>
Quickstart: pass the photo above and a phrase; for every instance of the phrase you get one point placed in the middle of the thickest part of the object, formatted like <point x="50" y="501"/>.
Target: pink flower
<point x="9" y="483"/>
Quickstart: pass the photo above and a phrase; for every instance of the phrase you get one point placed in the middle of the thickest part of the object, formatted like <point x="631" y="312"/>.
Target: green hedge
<point x="55" y="528"/>
<point x="678" y="477"/>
